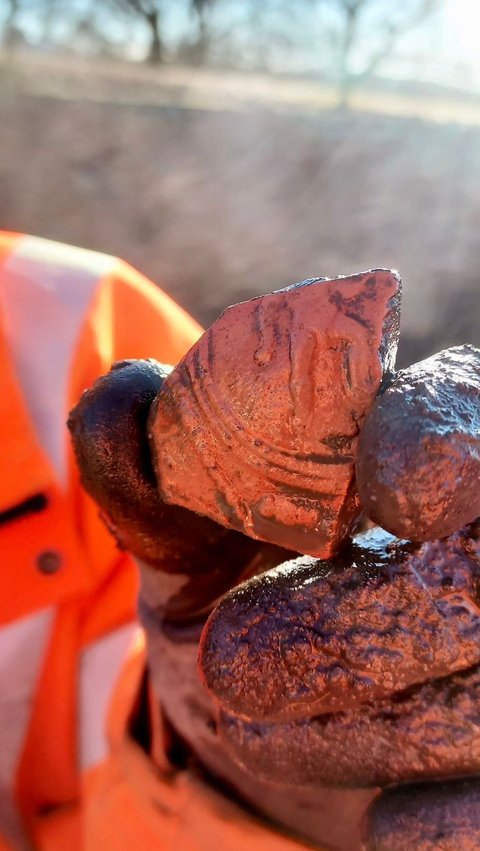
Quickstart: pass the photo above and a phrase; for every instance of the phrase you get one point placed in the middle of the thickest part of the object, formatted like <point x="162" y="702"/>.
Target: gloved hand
<point x="258" y="429"/>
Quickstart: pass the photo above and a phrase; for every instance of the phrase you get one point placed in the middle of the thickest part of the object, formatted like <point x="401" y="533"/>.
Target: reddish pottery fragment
<point x="257" y="427"/>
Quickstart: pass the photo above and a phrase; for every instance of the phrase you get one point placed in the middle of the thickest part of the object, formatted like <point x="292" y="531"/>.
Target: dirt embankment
<point x="237" y="196"/>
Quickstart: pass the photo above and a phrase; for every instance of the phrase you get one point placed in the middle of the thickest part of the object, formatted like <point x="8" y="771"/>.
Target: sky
<point x="451" y="40"/>
<point x="459" y="30"/>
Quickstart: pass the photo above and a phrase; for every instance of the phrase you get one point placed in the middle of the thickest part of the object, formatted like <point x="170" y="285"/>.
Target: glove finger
<point x="418" y="462"/>
<point x="427" y="732"/>
<point x="323" y="636"/>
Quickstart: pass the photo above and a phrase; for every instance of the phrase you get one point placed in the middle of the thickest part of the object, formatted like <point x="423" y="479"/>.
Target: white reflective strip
<point x="100" y="667"/>
<point x="45" y="292"/>
<point x="23" y="646"/>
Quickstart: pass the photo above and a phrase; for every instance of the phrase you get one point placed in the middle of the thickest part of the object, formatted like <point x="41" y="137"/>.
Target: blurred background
<point x="231" y="147"/>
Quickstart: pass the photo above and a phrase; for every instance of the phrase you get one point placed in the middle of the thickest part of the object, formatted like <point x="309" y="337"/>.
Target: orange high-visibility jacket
<point x="67" y="595"/>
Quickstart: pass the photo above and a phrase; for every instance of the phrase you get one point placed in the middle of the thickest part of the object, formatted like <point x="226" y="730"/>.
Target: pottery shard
<point x="257" y="427"/>
<point x="418" y="464"/>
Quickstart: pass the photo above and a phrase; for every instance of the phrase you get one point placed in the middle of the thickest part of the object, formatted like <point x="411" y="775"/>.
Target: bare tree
<point x="374" y="26"/>
<point x="200" y="11"/>
<point x="149" y="11"/>
<point x="10" y="29"/>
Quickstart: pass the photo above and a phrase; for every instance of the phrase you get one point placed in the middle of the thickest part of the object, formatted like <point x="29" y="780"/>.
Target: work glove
<point x="330" y="670"/>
